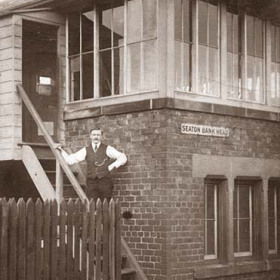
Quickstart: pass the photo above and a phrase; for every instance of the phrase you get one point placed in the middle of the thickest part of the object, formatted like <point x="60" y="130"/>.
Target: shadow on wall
<point x="15" y="181"/>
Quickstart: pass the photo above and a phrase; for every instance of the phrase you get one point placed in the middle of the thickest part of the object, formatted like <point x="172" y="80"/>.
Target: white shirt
<point x="111" y="152"/>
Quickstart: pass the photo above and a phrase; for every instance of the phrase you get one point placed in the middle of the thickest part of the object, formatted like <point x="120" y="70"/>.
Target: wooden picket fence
<point x="47" y="241"/>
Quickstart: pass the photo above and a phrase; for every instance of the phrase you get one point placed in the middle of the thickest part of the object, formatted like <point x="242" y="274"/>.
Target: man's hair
<point x="96" y="128"/>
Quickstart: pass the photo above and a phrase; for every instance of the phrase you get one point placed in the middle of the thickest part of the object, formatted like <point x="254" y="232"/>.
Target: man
<point x="101" y="161"/>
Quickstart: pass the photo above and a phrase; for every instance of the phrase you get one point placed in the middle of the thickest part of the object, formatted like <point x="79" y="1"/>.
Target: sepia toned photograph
<point x="139" y="139"/>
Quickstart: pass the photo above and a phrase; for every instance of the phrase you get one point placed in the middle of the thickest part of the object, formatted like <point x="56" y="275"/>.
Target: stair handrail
<point x="71" y="177"/>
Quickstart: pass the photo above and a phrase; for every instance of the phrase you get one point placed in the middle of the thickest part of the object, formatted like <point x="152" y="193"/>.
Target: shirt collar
<point x="93" y="145"/>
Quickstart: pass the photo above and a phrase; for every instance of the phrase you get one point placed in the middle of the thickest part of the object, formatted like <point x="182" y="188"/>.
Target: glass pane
<point x="229" y="32"/>
<point x="259" y="80"/>
<point x="202" y="61"/>
<point x="235" y="236"/>
<point x="133" y="68"/>
<point x="149" y="18"/>
<point x="244" y="236"/>
<point x="105" y="27"/>
<point x="178" y="66"/>
<point x="236" y="35"/>
<point x="134" y="21"/>
<point x="210" y="250"/>
<point x="150" y="65"/>
<point x="213" y="84"/>
<point x="118" y="26"/>
<point x="244" y="202"/>
<point x="75" y="77"/>
<point x="202" y="22"/>
<point x="105" y="73"/>
<point x="271" y="231"/>
<point x="88" y="76"/>
<point x="87" y="31"/>
<point x="259" y="37"/>
<point x="186" y="21"/>
<point x="213" y="25"/>
<point x="273" y="80"/>
<point x="118" y="70"/>
<point x="178" y="19"/>
<point x="250" y="36"/>
<point x="278" y="44"/>
<point x="273" y="44"/>
<point x="230" y="75"/>
<point x="186" y="67"/>
<point x="250" y="78"/>
<point x="271" y="212"/>
<point x="210" y="201"/>
<point x="235" y="208"/>
<point x="74" y="33"/>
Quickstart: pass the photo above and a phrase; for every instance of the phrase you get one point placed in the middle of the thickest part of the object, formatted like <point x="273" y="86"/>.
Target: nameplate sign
<point x="204" y="130"/>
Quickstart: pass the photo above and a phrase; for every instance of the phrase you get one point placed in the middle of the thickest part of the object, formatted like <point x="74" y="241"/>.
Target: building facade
<point x="190" y="91"/>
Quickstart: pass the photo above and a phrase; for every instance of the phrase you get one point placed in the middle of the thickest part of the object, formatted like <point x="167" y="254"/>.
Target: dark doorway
<point x="40" y="78"/>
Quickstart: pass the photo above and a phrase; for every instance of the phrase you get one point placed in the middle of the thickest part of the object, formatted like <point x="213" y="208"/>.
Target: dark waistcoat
<point x="97" y="163"/>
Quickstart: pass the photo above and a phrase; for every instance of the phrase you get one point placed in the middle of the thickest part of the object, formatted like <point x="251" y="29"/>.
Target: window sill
<point x="219" y="270"/>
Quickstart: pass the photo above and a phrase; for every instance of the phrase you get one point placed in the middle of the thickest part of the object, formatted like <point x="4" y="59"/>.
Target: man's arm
<point x="120" y="158"/>
<point x="75" y="157"/>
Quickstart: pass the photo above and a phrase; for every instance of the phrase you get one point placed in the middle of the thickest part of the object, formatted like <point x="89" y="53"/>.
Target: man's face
<point x="96" y="136"/>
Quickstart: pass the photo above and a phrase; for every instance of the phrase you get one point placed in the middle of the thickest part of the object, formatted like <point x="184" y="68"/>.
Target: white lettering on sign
<point x="205" y="130"/>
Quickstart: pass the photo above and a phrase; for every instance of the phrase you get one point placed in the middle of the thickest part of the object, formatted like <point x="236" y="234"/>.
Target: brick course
<point x="166" y="233"/>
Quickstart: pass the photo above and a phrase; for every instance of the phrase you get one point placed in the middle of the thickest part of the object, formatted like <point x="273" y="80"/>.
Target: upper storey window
<point x="112" y="49"/>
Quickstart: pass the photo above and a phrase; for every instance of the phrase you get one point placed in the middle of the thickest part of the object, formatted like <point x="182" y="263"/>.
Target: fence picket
<point x="12" y="271"/>
<point x="77" y="236"/>
<point x="30" y="240"/>
<point x="85" y="223"/>
<point x="46" y="234"/>
<point x="38" y="239"/>
<point x="98" y="239"/>
<point x="117" y="247"/>
<point x="69" y="242"/>
<point x="92" y="237"/>
<point x="105" y="241"/>
<point x="62" y="244"/>
<point x="4" y="240"/>
<point x="112" y="240"/>
<point x="21" y="240"/>
<point x="53" y="237"/>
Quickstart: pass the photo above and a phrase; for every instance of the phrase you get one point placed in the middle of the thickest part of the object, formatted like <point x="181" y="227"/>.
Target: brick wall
<point x="156" y="185"/>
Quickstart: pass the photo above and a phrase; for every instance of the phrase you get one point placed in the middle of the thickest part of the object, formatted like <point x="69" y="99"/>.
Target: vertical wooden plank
<point x="85" y="223"/>
<point x="21" y="240"/>
<point x="46" y="236"/>
<point x="105" y="241"/>
<point x="118" y="254"/>
<point x="92" y="230"/>
<point x="112" y="239"/>
<point x="4" y="240"/>
<point x="53" y="247"/>
<point x="98" y="238"/>
<point x="77" y="230"/>
<point x="30" y="266"/>
<point x="62" y="247"/>
<point x="12" y="266"/>
<point x="59" y="182"/>
<point x="38" y="239"/>
<point x="69" y="251"/>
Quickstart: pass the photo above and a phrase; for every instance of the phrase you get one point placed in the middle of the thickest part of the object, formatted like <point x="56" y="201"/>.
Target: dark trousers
<point x="99" y="188"/>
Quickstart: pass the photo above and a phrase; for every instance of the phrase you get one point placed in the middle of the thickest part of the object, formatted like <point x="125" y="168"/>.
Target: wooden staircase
<point x="54" y="179"/>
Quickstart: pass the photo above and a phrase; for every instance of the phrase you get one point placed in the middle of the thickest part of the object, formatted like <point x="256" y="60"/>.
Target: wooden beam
<point x="37" y="173"/>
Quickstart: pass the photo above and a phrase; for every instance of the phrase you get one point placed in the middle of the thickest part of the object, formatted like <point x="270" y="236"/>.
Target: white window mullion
<point x="112" y="54"/>
<point x="142" y="49"/>
<point x="96" y="54"/>
<point x="216" y="222"/>
<point x="125" y="48"/>
<point x="68" y="84"/>
<point x="81" y="58"/>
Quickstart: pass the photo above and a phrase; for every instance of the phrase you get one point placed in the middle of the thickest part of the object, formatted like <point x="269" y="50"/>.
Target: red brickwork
<point x="156" y="185"/>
